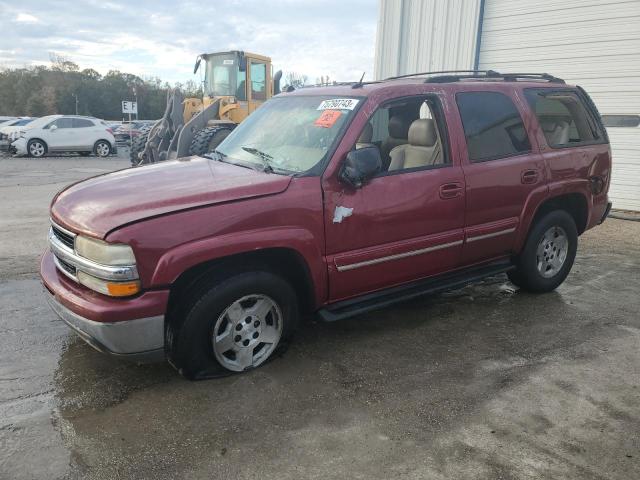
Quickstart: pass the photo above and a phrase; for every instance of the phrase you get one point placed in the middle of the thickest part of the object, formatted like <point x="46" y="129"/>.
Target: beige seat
<point x="364" y="140"/>
<point x="398" y="132"/>
<point x="557" y="132"/>
<point x="423" y="148"/>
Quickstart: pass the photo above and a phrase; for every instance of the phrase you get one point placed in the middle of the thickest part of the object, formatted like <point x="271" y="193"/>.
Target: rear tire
<point x="137" y="146"/>
<point x="102" y="148"/>
<point x="36" y="148"/>
<point x="233" y="324"/>
<point x="548" y="254"/>
<point x="207" y="140"/>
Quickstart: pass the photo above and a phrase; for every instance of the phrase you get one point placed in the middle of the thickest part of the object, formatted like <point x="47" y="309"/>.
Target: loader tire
<point x="208" y="139"/>
<point x="137" y="146"/>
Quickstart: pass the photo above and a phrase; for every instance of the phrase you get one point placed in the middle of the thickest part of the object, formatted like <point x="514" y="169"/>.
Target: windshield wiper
<point x="215" y="155"/>
<point x="265" y="157"/>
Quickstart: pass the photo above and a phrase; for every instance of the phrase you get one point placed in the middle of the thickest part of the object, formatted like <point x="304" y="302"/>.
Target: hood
<point x="100" y="204"/>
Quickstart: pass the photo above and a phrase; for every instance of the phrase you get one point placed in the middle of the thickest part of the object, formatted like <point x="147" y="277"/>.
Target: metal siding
<point x="417" y="36"/>
<point x="595" y="44"/>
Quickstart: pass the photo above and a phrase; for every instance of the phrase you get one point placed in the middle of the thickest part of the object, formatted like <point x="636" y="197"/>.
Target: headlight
<point x="21" y="134"/>
<point x="104" y="253"/>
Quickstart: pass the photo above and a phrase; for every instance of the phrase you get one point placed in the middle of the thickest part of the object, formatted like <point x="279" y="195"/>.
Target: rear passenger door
<point x="85" y="133"/>
<point x="501" y="172"/>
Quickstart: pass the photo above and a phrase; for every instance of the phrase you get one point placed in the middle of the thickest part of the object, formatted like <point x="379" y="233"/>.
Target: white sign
<point x="227" y="62"/>
<point x="129" y="107"/>
<point x="338" y="104"/>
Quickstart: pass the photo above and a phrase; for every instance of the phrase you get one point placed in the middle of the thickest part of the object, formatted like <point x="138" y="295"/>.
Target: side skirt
<point x="431" y="285"/>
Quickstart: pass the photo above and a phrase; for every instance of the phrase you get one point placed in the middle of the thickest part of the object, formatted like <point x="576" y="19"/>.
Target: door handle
<point x="450" y="190"/>
<point x="529" y="176"/>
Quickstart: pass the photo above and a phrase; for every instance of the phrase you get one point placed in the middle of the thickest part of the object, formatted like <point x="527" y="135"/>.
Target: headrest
<point x="367" y="134"/>
<point x="422" y="133"/>
<point x="398" y="127"/>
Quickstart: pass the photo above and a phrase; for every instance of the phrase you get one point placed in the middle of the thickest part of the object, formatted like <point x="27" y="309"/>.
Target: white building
<point x="591" y="43"/>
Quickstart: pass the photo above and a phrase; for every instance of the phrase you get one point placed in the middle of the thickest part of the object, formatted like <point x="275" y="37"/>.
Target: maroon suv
<point x="335" y="200"/>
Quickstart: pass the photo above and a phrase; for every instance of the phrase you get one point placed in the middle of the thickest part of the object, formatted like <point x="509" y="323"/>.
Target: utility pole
<point x="76" y="97"/>
<point x="135" y="94"/>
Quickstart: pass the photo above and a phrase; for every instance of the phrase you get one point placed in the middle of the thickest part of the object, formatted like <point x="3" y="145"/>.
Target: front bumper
<point x="19" y="146"/>
<point x="131" y="328"/>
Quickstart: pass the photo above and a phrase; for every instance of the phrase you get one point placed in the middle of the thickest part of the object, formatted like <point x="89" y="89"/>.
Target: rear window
<point x="564" y="119"/>
<point x="492" y="125"/>
<point x="82" y="123"/>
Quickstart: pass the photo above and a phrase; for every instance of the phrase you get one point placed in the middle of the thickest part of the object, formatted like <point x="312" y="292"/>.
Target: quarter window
<point x="492" y="125"/>
<point x="563" y="118"/>
<point x="258" y="81"/>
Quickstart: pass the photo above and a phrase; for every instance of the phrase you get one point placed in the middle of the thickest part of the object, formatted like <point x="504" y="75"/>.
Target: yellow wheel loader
<point x="235" y="84"/>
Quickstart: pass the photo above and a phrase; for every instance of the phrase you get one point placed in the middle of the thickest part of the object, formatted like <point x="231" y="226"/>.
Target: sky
<point x="161" y="38"/>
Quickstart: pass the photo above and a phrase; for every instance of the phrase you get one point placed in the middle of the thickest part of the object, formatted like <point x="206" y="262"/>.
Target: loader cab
<point x="243" y="80"/>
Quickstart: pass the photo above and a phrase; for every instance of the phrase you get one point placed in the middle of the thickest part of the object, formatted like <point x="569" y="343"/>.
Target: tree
<point x="296" y="79"/>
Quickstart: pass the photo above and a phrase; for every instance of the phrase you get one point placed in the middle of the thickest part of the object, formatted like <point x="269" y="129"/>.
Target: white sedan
<point x="65" y="133"/>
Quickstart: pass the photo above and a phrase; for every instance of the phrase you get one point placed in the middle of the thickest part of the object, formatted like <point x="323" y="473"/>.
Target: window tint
<point x="81" y="123"/>
<point x="63" y="123"/>
<point x="258" y="81"/>
<point x="563" y="118"/>
<point x="492" y="126"/>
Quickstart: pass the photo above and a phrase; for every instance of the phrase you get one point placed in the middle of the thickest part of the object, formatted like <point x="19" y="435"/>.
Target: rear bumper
<point x="606" y="212"/>
<point x="131" y="327"/>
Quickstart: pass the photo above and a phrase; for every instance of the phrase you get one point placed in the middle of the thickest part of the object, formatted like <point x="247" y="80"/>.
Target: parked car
<point x="126" y="131"/>
<point x="65" y="133"/>
<point x="334" y="200"/>
<point x="9" y="129"/>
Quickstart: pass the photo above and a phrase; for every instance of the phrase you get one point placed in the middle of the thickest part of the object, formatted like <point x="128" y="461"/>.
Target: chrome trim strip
<point x="62" y="229"/>
<point x="104" y="272"/>
<point x="397" y="256"/>
<point x="491" y="235"/>
<point x="56" y="261"/>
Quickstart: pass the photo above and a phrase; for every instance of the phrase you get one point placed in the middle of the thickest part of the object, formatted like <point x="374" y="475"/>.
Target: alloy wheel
<point x="552" y="251"/>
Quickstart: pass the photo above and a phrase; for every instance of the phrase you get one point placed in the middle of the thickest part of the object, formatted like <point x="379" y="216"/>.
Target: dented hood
<point x="100" y="204"/>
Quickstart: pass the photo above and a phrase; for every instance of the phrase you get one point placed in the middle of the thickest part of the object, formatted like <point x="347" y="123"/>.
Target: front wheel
<point x="36" y="148"/>
<point x="102" y="148"/>
<point x="548" y="254"/>
<point x="235" y="324"/>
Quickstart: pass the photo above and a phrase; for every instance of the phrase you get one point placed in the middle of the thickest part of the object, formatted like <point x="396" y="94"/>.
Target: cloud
<point x="162" y="38"/>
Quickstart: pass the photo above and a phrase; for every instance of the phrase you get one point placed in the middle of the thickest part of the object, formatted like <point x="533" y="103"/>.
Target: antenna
<point x="359" y="84"/>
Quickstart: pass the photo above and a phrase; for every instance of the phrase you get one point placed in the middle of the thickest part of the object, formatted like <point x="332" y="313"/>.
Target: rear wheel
<point x="137" y="146"/>
<point x="235" y="324"/>
<point x="548" y="254"/>
<point x="102" y="148"/>
<point x="207" y="140"/>
<point x="36" y="148"/>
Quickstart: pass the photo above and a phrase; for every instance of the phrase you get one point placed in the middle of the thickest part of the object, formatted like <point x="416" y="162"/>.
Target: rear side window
<point x="81" y="123"/>
<point x="61" y="123"/>
<point x="564" y="119"/>
<point x="492" y="125"/>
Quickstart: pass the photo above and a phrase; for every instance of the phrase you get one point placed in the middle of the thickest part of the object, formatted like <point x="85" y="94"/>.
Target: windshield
<point x="289" y="134"/>
<point x="220" y="75"/>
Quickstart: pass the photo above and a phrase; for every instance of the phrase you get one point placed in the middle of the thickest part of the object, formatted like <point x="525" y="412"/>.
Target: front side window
<point x="492" y="125"/>
<point x="258" y="81"/>
<point x="220" y="75"/>
<point x="291" y="134"/>
<point x="563" y="118"/>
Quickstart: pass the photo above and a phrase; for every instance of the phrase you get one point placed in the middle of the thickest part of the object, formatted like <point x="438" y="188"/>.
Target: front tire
<point x="548" y="254"/>
<point x="234" y="324"/>
<point x="36" y="148"/>
<point x="207" y="140"/>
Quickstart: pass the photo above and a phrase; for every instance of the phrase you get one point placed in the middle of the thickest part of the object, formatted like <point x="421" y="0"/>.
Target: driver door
<point x="402" y="225"/>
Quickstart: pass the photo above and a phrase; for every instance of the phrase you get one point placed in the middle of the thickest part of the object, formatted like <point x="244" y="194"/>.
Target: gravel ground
<point x="484" y="382"/>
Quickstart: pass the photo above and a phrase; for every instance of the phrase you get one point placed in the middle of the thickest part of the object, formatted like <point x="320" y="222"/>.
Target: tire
<point x="137" y="146"/>
<point x="36" y="148"/>
<point x="224" y="323"/>
<point x="207" y="140"/>
<point x="102" y="148"/>
<point x="548" y="253"/>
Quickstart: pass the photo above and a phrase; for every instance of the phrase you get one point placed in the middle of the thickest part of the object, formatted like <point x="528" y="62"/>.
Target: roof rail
<point x="446" y="76"/>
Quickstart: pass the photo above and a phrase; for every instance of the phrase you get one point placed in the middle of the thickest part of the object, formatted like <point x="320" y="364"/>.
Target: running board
<point x="384" y="298"/>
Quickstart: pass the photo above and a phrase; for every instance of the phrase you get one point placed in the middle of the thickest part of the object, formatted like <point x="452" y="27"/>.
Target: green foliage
<point x="43" y="90"/>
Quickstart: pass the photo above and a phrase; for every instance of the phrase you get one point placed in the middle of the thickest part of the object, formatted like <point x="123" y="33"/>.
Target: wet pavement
<point x="483" y="382"/>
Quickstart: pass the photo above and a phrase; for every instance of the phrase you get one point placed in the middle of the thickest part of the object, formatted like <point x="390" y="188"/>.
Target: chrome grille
<point x="64" y="237"/>
<point x="67" y="266"/>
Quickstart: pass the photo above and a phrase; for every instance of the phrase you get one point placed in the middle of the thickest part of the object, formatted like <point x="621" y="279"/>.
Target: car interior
<point x="406" y="134"/>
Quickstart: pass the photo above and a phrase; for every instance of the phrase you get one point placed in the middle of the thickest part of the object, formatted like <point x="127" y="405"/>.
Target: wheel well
<point x="282" y="261"/>
<point x="102" y="140"/>
<point x="574" y="203"/>
<point x="39" y="140"/>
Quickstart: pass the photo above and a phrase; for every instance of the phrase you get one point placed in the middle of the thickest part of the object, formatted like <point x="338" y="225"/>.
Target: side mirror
<point x="197" y="65"/>
<point x="360" y="165"/>
<point x="53" y="128"/>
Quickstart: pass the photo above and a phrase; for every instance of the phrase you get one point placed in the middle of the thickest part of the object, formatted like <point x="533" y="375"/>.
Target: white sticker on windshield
<point x="227" y="62"/>
<point x="338" y="104"/>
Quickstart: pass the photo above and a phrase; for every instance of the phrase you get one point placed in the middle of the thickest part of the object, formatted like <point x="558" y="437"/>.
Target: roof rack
<point x="446" y="76"/>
